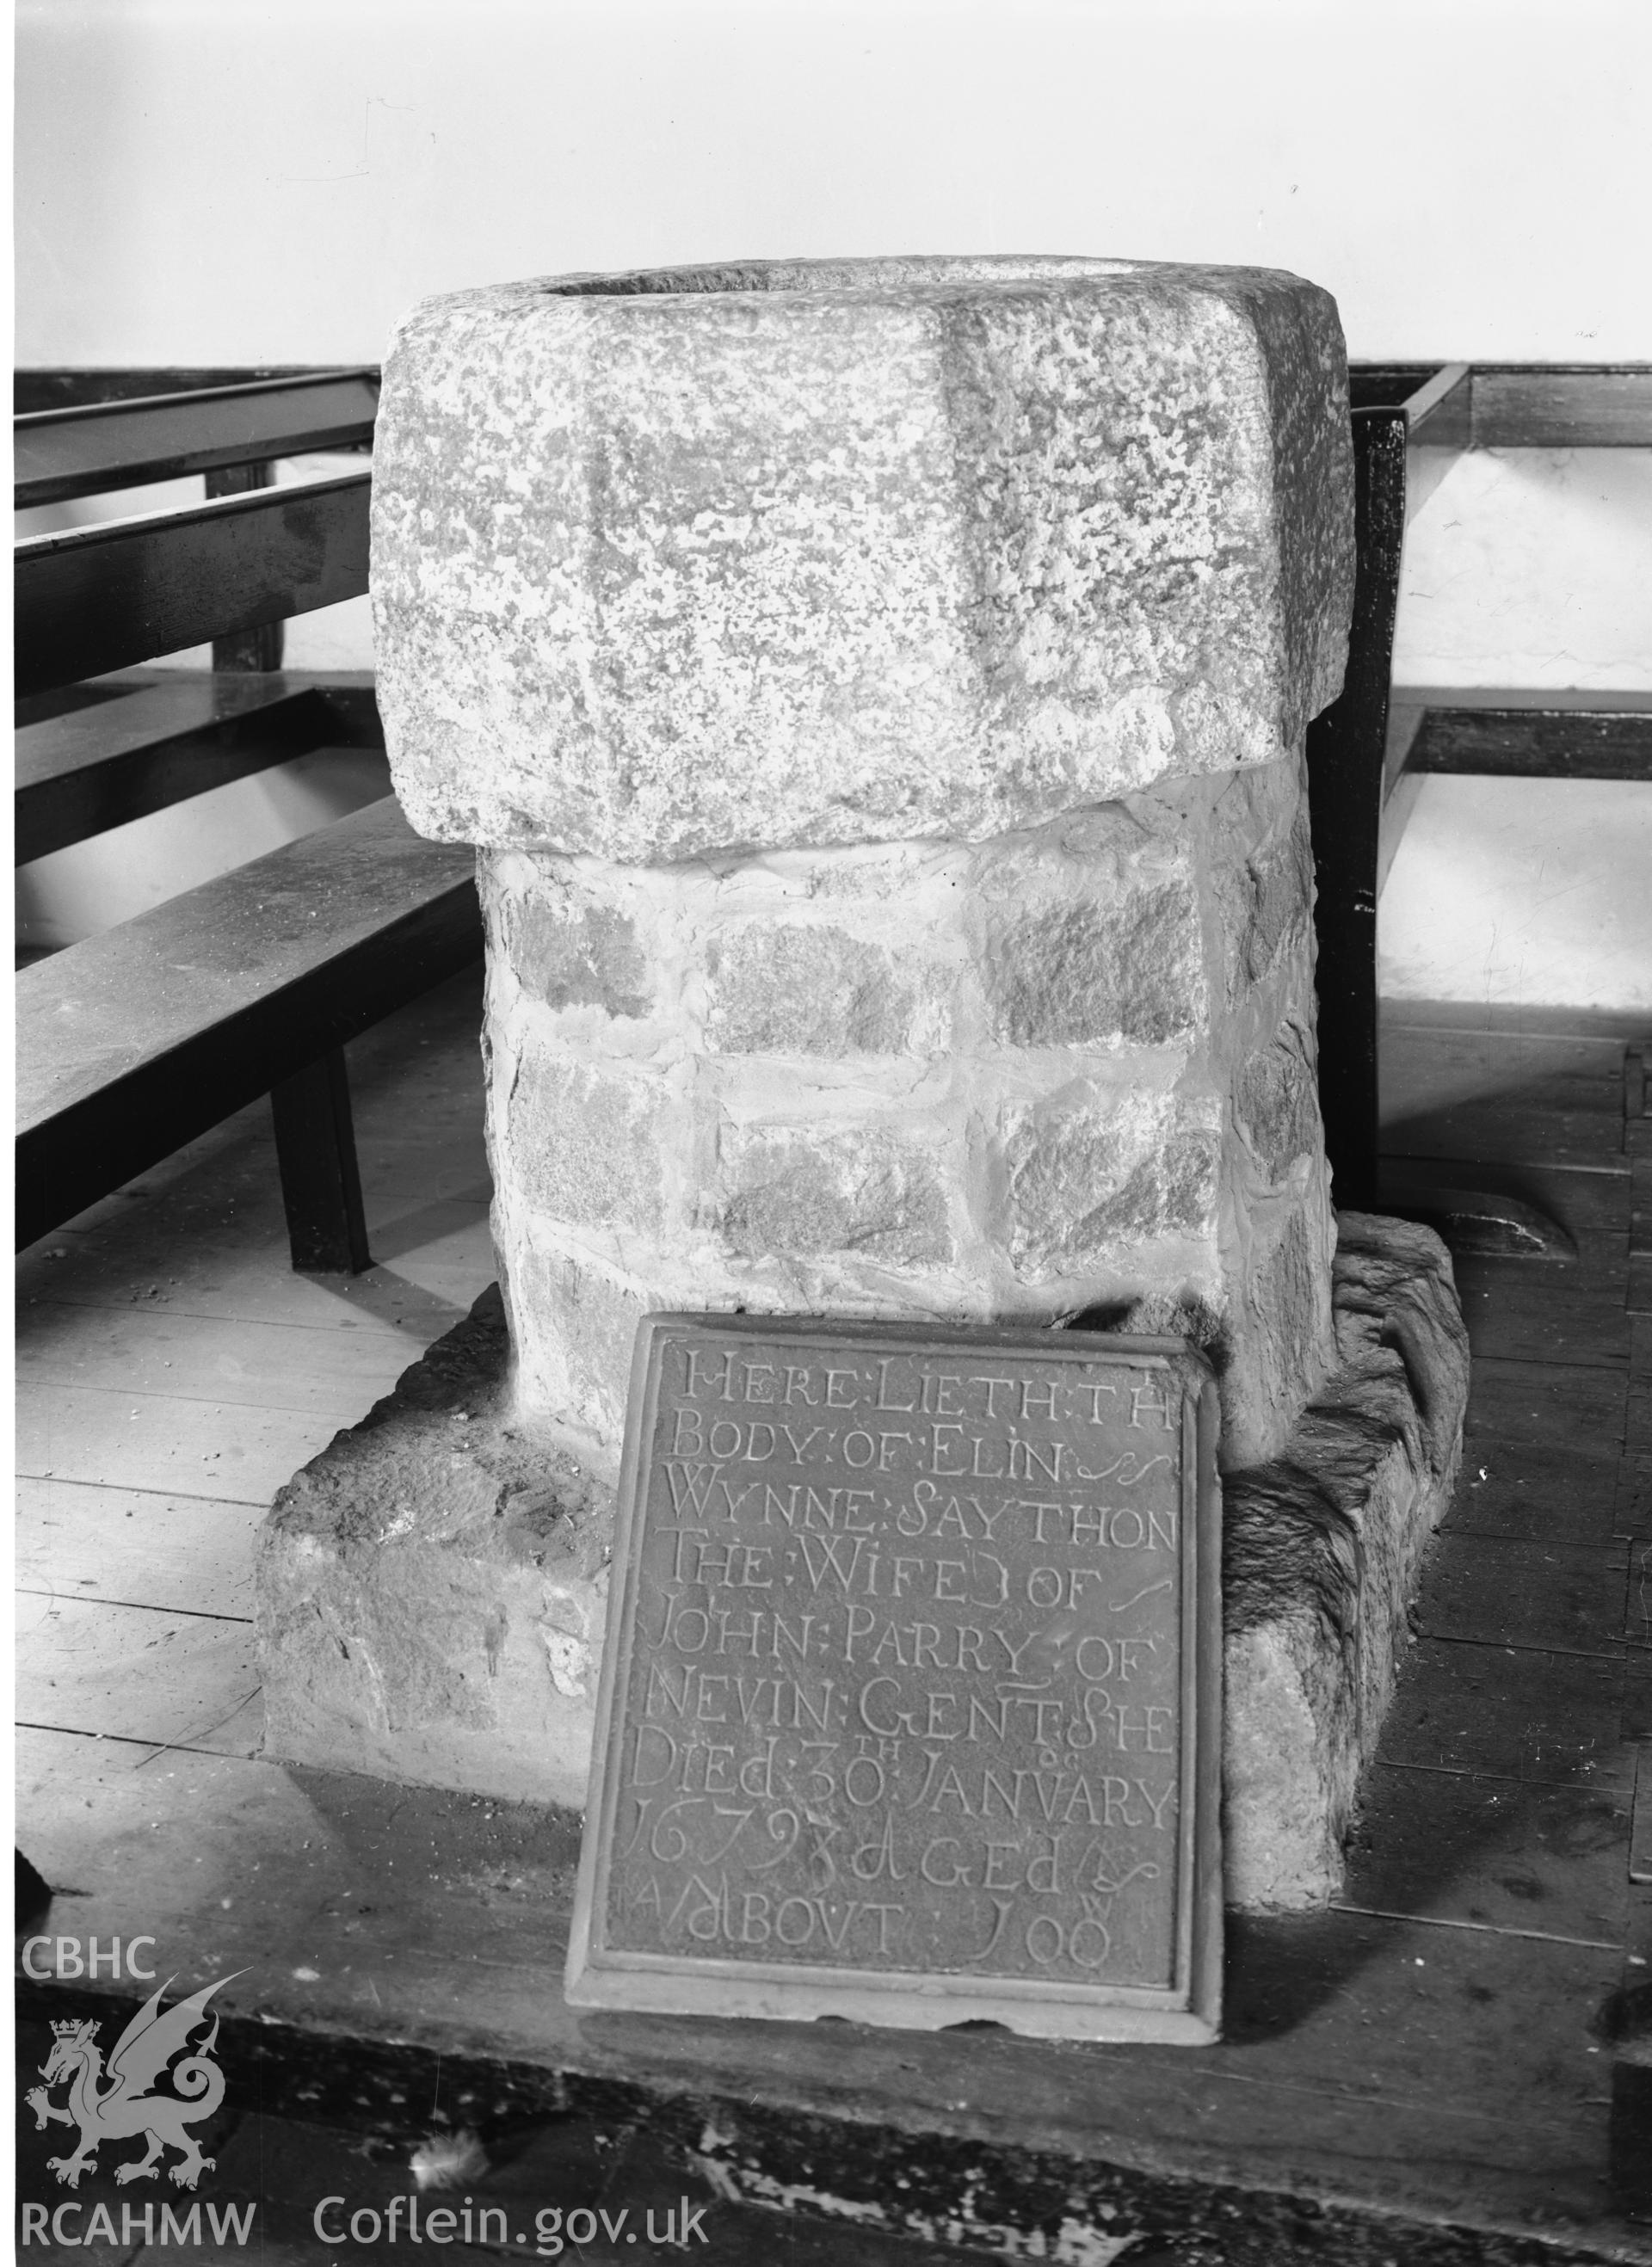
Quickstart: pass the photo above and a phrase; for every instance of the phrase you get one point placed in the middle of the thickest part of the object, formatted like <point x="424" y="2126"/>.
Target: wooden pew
<point x="149" y="740"/>
<point x="234" y="569"/>
<point x="133" y="1042"/>
<point x="96" y="599"/>
<point x="90" y="448"/>
<point x="1368" y="754"/>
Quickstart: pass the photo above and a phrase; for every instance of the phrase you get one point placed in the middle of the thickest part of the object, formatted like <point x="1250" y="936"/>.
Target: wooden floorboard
<point x="138" y="1673"/>
<point x="1563" y="1314"/>
<point x="1560" y="1495"/>
<point x="194" y="1554"/>
<point x="1637" y="1696"/>
<point x="1638" y="1403"/>
<point x="1494" y="1853"/>
<point x="148" y="1349"/>
<point x="227" y="1284"/>
<point x="1578" y="1408"/>
<point x="151" y="1441"/>
<point x="1428" y="1067"/>
<point x="1591" y="1202"/>
<point x="1493" y="1589"/>
<point x="173" y="1373"/>
<point x="1500" y="1098"/>
<point x="1632" y="1506"/>
<point x="1453" y="2072"/>
<point x="1494" y="1133"/>
<point x="1508" y="1712"/>
<point x="1437" y="2047"/>
<point x="1641" y="1836"/>
<point x="1637" y="1615"/>
<point x="1580" y="1321"/>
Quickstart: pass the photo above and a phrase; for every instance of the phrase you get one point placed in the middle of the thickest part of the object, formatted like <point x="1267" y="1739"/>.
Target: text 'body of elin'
<point x="905" y="1694"/>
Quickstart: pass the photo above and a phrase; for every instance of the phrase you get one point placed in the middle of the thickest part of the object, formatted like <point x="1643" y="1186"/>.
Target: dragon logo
<point x="126" y="2107"/>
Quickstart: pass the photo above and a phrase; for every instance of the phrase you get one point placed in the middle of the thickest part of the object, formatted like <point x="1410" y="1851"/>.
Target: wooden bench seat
<point x="94" y="600"/>
<point x="98" y="598"/>
<point x="148" y="740"/>
<point x="92" y="446"/>
<point x="132" y="1043"/>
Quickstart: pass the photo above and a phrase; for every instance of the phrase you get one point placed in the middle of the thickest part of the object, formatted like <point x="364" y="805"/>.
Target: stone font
<point x="901" y="1715"/>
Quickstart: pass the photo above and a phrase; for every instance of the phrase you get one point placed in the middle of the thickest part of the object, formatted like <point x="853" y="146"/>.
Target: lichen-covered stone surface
<point x="1066" y="1069"/>
<point x="826" y="553"/>
<point x="432" y="1587"/>
<point x="1322" y="1549"/>
<point x="877" y="690"/>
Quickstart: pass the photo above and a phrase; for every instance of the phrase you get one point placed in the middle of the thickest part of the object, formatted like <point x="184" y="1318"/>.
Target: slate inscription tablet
<point x="910" y="1707"/>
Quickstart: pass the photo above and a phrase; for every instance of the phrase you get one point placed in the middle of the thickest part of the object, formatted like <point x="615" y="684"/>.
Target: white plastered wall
<point x="240" y="179"/>
<point x="237" y="181"/>
<point x="1528" y="569"/>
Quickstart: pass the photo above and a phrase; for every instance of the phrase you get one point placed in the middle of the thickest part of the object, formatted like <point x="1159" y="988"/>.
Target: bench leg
<point x="1346" y="747"/>
<point x="315" y="1148"/>
<point x="246" y="649"/>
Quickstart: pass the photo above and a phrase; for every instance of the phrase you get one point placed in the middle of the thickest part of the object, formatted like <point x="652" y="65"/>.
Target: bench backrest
<point x="90" y="600"/>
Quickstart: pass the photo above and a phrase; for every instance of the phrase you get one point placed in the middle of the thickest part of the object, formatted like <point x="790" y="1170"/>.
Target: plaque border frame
<point x="1187" y="2012"/>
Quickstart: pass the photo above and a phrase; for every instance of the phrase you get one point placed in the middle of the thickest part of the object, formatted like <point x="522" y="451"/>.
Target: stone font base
<point x="432" y="1587"/>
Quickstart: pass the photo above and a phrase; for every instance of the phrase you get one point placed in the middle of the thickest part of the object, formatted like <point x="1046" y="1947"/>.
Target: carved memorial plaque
<point x="910" y="1707"/>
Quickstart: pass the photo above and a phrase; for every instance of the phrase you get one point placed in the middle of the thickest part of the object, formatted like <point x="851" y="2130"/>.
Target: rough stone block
<point x="1277" y="906"/>
<point x="572" y="956"/>
<point x="790" y="989"/>
<point x="1089" y="1177"/>
<point x="1276" y="1100"/>
<point x="588" y="1144"/>
<point x="1322" y="1551"/>
<point x="802" y="1009"/>
<point x="572" y="1323"/>
<point x="791" y="1193"/>
<point x="431" y="1589"/>
<point x="1070" y="974"/>
<point x="1090" y="934"/>
<point x="833" y="551"/>
<point x="1273" y="1335"/>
